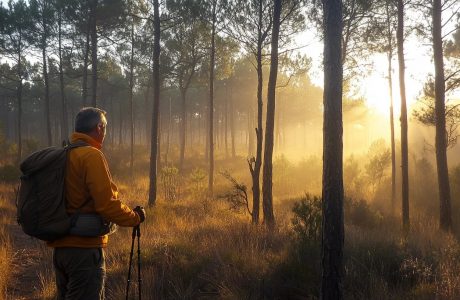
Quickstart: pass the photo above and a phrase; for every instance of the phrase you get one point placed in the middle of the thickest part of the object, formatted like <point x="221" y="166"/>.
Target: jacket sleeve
<point x="104" y="192"/>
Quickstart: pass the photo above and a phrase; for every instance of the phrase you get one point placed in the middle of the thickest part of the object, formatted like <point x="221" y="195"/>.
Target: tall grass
<point x="5" y="241"/>
<point x="5" y="261"/>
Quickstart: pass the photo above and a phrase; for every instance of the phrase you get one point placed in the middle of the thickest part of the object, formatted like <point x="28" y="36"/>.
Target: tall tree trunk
<point x="206" y="121"/>
<point x="131" y="104"/>
<point x="169" y="131"/>
<point x="392" y="124"/>
<point x="182" y="130"/>
<point x="94" y="52"/>
<point x="404" y="138"/>
<point x="267" y="185"/>
<point x="160" y="141"/>
<point x="251" y="132"/>
<point x="226" y="122"/>
<point x="84" y="85"/>
<point x="333" y="223"/>
<point x="47" y="90"/>
<point x="232" y="123"/>
<point x="190" y="130"/>
<point x="120" y="132"/>
<point x="148" y="121"/>
<point x="19" y="97"/>
<point x="445" y="215"/>
<point x="277" y="146"/>
<point x="112" y="128"/>
<point x="392" y="137"/>
<point x="255" y="165"/>
<point x="64" y="124"/>
<point x="211" y="100"/>
<point x="154" y="145"/>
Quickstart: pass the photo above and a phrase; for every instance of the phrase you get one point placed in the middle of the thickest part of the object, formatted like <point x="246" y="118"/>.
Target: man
<point x="79" y="260"/>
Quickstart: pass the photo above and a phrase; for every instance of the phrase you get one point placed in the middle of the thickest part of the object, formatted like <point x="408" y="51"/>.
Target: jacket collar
<point x="77" y="136"/>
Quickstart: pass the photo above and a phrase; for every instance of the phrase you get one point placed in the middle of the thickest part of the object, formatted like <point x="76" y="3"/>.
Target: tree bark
<point x="255" y="168"/>
<point x="154" y="145"/>
<point x="392" y="124"/>
<point x="148" y="121"/>
<point x="112" y="128"/>
<point x="182" y="130"/>
<point x="250" y="133"/>
<point x="206" y="121"/>
<point x="131" y="104"/>
<point x="404" y="133"/>
<point x="445" y="215"/>
<point x="267" y="200"/>
<point x="232" y="124"/>
<point x="120" y="132"/>
<point x="211" y="100"/>
<point x="225" y="114"/>
<point x="19" y="97"/>
<point x="64" y="124"/>
<point x="94" y="52"/>
<point x="84" y="85"/>
<point x="47" y="88"/>
<point x="169" y="131"/>
<point x="332" y="191"/>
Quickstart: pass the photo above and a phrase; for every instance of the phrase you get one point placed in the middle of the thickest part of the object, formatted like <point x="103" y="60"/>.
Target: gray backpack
<point x="41" y="205"/>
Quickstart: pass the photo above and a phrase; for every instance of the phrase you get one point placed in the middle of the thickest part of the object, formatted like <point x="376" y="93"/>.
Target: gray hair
<point x="88" y="118"/>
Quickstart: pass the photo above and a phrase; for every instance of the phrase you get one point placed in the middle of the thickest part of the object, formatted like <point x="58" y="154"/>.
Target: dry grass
<point x="6" y="210"/>
<point x="5" y="261"/>
<point x="46" y="288"/>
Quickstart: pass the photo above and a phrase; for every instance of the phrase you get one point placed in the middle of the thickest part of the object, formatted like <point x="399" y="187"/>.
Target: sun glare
<point x="376" y="92"/>
<point x="375" y="87"/>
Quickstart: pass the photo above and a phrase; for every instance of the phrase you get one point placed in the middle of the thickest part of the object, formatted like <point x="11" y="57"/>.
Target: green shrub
<point x="359" y="213"/>
<point x="307" y="218"/>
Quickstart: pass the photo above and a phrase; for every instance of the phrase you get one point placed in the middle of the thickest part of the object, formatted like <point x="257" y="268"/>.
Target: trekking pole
<point x="130" y="262"/>
<point x="139" y="279"/>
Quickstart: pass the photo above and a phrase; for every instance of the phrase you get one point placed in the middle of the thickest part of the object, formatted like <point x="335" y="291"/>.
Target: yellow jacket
<point x="88" y="177"/>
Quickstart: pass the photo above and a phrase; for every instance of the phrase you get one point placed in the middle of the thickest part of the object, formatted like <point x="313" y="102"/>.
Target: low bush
<point x="360" y="213"/>
<point x="306" y="221"/>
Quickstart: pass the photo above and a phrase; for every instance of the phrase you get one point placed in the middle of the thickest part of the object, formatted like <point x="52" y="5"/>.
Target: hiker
<point x="78" y="260"/>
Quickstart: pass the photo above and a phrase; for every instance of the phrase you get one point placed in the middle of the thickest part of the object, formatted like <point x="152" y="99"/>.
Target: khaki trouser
<point x="80" y="273"/>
